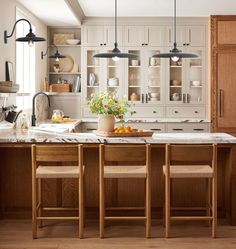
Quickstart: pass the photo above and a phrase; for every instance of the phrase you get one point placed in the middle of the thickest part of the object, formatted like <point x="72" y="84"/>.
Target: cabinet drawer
<point x="190" y="127"/>
<point x="185" y="112"/>
<point x="155" y="127"/>
<point x="146" y="112"/>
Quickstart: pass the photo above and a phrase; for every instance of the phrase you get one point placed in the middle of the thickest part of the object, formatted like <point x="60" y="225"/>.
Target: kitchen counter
<point x="38" y="136"/>
<point x="15" y="173"/>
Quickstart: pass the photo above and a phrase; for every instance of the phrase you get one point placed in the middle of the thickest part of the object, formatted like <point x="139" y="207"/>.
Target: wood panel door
<point x="225" y="95"/>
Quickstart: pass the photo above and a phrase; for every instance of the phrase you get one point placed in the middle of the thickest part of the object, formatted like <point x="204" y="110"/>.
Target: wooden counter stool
<point x="177" y="165"/>
<point x="110" y="154"/>
<point x="51" y="155"/>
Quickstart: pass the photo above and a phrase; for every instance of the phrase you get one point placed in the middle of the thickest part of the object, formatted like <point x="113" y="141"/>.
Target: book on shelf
<point x="77" y="85"/>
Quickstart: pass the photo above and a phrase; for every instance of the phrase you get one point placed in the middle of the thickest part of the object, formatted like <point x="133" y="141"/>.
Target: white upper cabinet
<point x="109" y="35"/>
<point x="154" y="35"/>
<point x="196" y="35"/>
<point x="134" y="35"/>
<point x="93" y="36"/>
<point x="144" y="35"/>
<point x="193" y="35"/>
<point x="99" y="35"/>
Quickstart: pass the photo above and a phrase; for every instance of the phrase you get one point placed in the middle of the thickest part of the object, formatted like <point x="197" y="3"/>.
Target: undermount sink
<point x="50" y="128"/>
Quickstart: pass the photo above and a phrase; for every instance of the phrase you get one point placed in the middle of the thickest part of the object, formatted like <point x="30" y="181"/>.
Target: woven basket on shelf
<point x="59" y="88"/>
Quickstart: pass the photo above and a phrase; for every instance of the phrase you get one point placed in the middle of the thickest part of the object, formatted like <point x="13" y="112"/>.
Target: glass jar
<point x="57" y="116"/>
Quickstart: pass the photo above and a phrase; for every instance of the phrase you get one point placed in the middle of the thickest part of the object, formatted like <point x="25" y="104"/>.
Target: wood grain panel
<point x="227" y="32"/>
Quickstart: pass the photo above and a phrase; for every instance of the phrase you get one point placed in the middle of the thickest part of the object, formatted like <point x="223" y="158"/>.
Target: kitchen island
<point x="15" y="174"/>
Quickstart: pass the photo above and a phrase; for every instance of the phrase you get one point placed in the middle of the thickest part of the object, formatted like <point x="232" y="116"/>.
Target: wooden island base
<point x="15" y="180"/>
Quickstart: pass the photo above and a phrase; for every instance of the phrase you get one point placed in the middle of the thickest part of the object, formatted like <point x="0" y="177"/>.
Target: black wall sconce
<point x="30" y="37"/>
<point x="56" y="56"/>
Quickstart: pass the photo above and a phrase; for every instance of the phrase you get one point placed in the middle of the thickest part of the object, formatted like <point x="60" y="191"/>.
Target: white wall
<point x="7" y="51"/>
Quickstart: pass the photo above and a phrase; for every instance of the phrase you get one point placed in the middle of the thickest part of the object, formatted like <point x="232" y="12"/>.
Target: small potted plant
<point x="108" y="107"/>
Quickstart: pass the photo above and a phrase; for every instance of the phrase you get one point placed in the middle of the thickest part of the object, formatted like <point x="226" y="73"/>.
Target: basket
<point x="59" y="88"/>
<point x="60" y="39"/>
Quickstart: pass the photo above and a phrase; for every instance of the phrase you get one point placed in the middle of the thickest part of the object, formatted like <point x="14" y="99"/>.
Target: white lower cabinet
<point x="146" y="112"/>
<point x="188" y="127"/>
<point x="185" y="112"/>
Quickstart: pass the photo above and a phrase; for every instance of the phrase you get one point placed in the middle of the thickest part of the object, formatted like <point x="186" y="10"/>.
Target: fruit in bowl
<point x="125" y="129"/>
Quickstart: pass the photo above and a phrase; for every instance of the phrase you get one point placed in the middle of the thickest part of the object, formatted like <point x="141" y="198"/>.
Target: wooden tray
<point x="145" y="133"/>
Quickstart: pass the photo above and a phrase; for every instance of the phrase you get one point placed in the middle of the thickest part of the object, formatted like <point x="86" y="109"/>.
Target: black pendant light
<point x="116" y="54"/>
<point x="56" y="56"/>
<point x="175" y="54"/>
<point x="30" y="37"/>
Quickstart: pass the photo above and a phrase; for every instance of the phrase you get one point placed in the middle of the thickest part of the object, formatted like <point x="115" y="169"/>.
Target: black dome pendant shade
<point x="56" y="56"/>
<point x="30" y="37"/>
<point x="175" y="53"/>
<point x="115" y="53"/>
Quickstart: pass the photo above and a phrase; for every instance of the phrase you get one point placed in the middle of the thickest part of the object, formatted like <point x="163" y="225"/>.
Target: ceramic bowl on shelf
<point x="196" y="83"/>
<point x="72" y="41"/>
<point x="154" y="95"/>
<point x="113" y="82"/>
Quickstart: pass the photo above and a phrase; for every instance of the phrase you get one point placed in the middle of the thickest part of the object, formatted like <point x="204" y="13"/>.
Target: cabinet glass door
<point x="195" y="77"/>
<point x="93" y="73"/>
<point x="114" y="76"/>
<point x="153" y="77"/>
<point x="134" y="77"/>
<point x="175" y="78"/>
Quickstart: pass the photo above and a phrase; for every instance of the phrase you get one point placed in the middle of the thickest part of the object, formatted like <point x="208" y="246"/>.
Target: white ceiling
<point x="57" y="13"/>
<point x="158" y="7"/>
<point x="51" y="12"/>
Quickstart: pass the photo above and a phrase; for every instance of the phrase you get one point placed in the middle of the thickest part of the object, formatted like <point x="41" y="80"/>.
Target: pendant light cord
<point x="116" y="24"/>
<point x="175" y="44"/>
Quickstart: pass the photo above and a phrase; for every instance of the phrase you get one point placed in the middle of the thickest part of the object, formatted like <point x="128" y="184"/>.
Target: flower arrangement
<point x="108" y="104"/>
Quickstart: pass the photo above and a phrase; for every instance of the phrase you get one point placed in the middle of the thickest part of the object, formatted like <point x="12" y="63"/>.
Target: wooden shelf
<point x="113" y="86"/>
<point x="66" y="45"/>
<point x="155" y="86"/>
<point x="64" y="73"/>
<point x="134" y="66"/>
<point x="195" y="86"/>
<point x="91" y="66"/>
<point x="135" y="86"/>
<point x="175" y="86"/>
<point x="155" y="66"/>
<point x="175" y="66"/>
<point x="197" y="66"/>
<point x="92" y="86"/>
<point x="64" y="93"/>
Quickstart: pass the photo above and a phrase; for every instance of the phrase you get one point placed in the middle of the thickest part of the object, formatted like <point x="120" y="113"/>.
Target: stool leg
<point x="214" y="206"/>
<point x="208" y="199"/>
<point x="167" y="206"/>
<point x="148" y="207"/>
<point x="40" y="201"/>
<point x="163" y="203"/>
<point x="81" y="208"/>
<point x="34" y="206"/>
<point x="101" y="207"/>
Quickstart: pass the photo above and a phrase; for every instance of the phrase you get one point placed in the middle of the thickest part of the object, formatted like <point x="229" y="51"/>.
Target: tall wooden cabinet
<point x="223" y="73"/>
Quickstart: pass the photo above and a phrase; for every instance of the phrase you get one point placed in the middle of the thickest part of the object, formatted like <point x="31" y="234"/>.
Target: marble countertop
<point x="36" y="136"/>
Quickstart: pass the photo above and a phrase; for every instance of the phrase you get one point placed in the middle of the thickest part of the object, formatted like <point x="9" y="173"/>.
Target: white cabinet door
<point x="154" y="35"/>
<point x="134" y="35"/>
<point x="180" y="36"/>
<point x="109" y="36"/>
<point x="93" y="35"/>
<point x="196" y="35"/>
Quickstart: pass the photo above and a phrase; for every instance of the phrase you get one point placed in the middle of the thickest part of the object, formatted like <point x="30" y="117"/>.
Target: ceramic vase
<point x="106" y="123"/>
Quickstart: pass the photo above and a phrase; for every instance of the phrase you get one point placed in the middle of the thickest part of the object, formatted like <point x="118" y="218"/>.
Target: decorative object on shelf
<point x="56" y="56"/>
<point x="113" y="82"/>
<point x="134" y="63"/>
<point x="8" y="87"/>
<point x="66" y="63"/>
<point x="134" y="97"/>
<point x="115" y="54"/>
<point x="196" y="83"/>
<point x="57" y="68"/>
<point x="57" y="116"/>
<point x="10" y="76"/>
<point x="175" y="83"/>
<point x="75" y="68"/>
<point x="175" y="96"/>
<point x="59" y="87"/>
<point x="72" y="41"/>
<point x="77" y="85"/>
<point x="30" y="37"/>
<point x="175" y="54"/>
<point x="60" y="39"/>
<point x="108" y="106"/>
<point x="92" y="79"/>
<point x="153" y="61"/>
